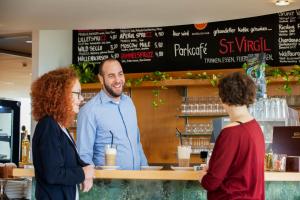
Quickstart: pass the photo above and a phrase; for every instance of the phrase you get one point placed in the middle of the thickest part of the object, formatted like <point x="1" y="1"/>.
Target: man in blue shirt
<point x="110" y="112"/>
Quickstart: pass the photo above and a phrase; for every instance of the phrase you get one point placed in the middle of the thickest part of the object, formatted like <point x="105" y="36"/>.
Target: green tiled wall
<point x="174" y="190"/>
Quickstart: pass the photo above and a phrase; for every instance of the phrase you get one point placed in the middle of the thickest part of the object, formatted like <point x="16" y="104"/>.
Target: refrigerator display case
<point x="9" y="131"/>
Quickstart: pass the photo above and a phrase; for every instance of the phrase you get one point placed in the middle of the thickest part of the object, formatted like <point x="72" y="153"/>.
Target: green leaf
<point x="287" y="88"/>
<point x="285" y="77"/>
<point x="128" y="83"/>
<point x="213" y="82"/>
<point x="154" y="104"/>
<point x="245" y="66"/>
<point x="85" y="71"/>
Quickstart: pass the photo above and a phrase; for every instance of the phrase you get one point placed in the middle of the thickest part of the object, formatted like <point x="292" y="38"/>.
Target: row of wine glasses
<point x="201" y="105"/>
<point x="198" y="128"/>
<point x="198" y="144"/>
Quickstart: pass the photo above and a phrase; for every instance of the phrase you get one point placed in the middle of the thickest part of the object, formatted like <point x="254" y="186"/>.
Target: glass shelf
<point x="203" y="115"/>
<point x="193" y="134"/>
<point x="271" y="120"/>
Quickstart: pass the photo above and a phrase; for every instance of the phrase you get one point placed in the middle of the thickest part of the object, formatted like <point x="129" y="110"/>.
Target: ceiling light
<point x="28" y="41"/>
<point x="282" y="3"/>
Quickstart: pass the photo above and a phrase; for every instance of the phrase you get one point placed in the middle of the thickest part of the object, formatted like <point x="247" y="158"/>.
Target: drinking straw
<point x="179" y="136"/>
<point x="112" y="139"/>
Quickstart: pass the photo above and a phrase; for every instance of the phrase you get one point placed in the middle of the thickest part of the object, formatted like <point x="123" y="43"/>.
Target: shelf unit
<point x="198" y="141"/>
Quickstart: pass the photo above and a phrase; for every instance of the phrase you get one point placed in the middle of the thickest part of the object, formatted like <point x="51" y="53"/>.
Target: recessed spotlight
<point x="28" y="41"/>
<point x="282" y="3"/>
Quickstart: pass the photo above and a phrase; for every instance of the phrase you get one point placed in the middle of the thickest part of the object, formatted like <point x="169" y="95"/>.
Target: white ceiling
<point x="26" y="15"/>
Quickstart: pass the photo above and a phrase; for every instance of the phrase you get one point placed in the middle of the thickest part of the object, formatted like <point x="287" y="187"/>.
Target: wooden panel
<point x="157" y="125"/>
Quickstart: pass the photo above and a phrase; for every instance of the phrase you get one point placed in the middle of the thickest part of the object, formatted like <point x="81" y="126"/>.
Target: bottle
<point x="25" y="149"/>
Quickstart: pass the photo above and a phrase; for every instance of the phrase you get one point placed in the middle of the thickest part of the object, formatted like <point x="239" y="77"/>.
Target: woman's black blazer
<point x="57" y="165"/>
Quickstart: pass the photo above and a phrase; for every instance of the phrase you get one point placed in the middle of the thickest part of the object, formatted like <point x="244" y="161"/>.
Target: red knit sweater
<point x="236" y="167"/>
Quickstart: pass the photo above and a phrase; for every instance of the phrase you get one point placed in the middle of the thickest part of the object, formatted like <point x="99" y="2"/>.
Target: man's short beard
<point x="111" y="92"/>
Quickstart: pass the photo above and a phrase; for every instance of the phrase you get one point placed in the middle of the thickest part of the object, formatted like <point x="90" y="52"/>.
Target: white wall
<point x="25" y="113"/>
<point x="50" y="49"/>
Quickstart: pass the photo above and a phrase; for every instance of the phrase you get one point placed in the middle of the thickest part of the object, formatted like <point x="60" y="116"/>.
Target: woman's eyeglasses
<point x="78" y="94"/>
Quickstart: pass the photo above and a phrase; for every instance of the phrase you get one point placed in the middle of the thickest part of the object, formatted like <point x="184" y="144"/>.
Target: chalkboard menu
<point x="288" y="38"/>
<point x="95" y="45"/>
<point x="216" y="45"/>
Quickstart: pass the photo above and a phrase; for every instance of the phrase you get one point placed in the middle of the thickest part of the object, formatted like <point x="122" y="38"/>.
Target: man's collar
<point x="105" y="98"/>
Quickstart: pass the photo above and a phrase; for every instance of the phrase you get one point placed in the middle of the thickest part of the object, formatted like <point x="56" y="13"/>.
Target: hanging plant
<point x="286" y="75"/>
<point x="86" y="72"/>
<point x="157" y="77"/>
<point x="212" y="78"/>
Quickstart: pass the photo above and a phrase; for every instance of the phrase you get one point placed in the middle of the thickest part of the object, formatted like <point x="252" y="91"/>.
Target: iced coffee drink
<point x="183" y="154"/>
<point x="110" y="155"/>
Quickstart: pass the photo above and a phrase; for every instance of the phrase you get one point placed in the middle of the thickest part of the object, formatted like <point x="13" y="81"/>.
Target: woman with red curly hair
<point x="56" y="97"/>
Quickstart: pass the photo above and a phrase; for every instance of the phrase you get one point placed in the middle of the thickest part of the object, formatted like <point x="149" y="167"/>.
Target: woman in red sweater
<point x="236" y="167"/>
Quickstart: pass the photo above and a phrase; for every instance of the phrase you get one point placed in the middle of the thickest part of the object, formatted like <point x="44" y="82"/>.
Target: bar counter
<point x="162" y="175"/>
<point x="169" y="184"/>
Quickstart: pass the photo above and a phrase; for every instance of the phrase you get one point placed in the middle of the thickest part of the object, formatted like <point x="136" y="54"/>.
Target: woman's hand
<point x="87" y="185"/>
<point x="201" y="174"/>
<point x="89" y="175"/>
<point x="89" y="171"/>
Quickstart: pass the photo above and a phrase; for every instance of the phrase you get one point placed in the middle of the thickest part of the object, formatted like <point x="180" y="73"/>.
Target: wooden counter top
<point x="162" y="175"/>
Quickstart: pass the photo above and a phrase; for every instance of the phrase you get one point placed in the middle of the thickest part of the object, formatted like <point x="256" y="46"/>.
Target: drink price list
<point x="215" y="45"/>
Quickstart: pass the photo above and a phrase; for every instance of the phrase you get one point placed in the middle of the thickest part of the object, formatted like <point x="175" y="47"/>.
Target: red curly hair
<point x="51" y="95"/>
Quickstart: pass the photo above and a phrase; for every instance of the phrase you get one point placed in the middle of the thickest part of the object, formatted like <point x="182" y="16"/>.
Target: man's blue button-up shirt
<point x="96" y="119"/>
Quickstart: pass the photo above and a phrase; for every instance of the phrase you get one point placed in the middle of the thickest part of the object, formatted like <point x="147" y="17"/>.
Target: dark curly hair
<point x="237" y="89"/>
<point x="51" y="95"/>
